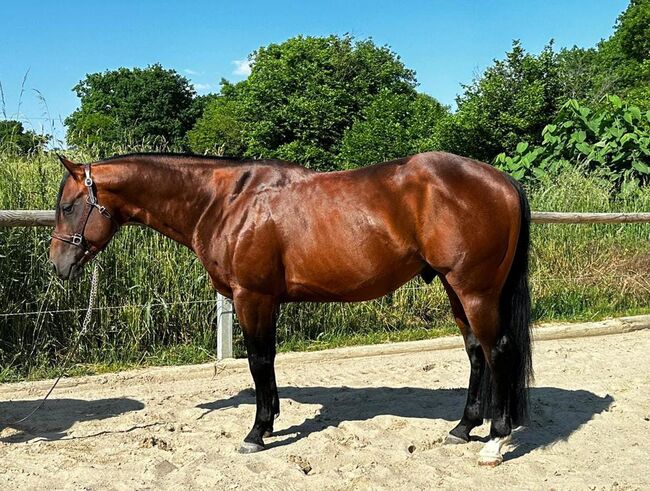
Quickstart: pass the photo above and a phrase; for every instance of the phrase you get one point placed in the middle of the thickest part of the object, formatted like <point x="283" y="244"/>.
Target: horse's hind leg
<point x="473" y="412"/>
<point x="483" y="315"/>
<point x="256" y="314"/>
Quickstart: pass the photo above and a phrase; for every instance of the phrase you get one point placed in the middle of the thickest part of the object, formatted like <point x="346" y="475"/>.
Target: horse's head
<point x="83" y="225"/>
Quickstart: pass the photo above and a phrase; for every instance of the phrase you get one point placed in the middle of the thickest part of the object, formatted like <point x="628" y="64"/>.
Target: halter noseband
<point x="78" y="239"/>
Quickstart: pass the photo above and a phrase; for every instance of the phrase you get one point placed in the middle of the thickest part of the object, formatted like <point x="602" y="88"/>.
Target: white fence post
<point x="224" y="327"/>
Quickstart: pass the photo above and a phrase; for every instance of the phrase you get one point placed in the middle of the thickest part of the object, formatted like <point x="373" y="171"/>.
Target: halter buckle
<point x="77" y="239"/>
<point x="88" y="181"/>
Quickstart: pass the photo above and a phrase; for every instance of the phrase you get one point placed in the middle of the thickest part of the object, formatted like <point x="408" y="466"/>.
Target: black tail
<point x="515" y="314"/>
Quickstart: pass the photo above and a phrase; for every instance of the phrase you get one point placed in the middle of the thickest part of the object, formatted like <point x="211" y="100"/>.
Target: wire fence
<point x="224" y="310"/>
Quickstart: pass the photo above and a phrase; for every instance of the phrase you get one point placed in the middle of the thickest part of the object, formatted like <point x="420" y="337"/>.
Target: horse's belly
<point x="346" y="282"/>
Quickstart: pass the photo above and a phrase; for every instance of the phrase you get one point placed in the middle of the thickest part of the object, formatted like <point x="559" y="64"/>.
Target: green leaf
<point x="539" y="173"/>
<point x="616" y="132"/>
<point x="641" y="167"/>
<point x="584" y="148"/>
<point x="627" y="137"/>
<point x="550" y="128"/>
<point x="615" y="101"/>
<point x="518" y="174"/>
<point x="579" y="136"/>
<point x="521" y="147"/>
<point x="548" y="138"/>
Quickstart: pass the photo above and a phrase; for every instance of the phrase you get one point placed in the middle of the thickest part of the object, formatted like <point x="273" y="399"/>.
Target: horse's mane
<point x="213" y="159"/>
<point x="231" y="161"/>
<point x="175" y="155"/>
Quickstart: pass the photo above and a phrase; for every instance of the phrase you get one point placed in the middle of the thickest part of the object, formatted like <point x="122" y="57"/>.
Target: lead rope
<point x="84" y="327"/>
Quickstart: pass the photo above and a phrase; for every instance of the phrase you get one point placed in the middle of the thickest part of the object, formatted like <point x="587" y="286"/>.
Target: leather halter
<point x="78" y="239"/>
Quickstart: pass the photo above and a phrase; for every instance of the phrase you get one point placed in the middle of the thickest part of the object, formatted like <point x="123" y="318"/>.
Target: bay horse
<point x="270" y="232"/>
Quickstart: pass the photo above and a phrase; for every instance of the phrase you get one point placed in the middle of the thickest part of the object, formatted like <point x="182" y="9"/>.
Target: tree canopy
<point x="619" y="65"/>
<point x="132" y="106"/>
<point x="392" y="126"/>
<point x="301" y="97"/>
<point x="511" y="101"/>
<point x="15" y="138"/>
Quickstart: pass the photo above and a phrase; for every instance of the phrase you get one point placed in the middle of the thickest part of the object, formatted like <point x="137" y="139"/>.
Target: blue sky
<point x="447" y="42"/>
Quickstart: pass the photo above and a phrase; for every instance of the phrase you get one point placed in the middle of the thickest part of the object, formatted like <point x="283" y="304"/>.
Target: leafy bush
<point x="613" y="140"/>
<point x="392" y="126"/>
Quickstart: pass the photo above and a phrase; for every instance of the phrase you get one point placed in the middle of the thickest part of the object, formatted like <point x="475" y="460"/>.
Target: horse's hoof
<point x="454" y="440"/>
<point x="248" y="447"/>
<point x="490" y="455"/>
<point x="485" y="461"/>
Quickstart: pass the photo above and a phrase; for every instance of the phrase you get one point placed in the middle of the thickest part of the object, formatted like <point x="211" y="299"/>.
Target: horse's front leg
<point x="256" y="314"/>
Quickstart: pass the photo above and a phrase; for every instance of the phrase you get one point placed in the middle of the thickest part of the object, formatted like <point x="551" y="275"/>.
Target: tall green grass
<point x="156" y="305"/>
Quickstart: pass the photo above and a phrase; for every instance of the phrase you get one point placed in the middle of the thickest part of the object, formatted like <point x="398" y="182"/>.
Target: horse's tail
<point x="515" y="316"/>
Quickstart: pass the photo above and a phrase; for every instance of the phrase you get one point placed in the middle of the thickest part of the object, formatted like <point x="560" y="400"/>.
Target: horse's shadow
<point x="57" y="416"/>
<point x="555" y="413"/>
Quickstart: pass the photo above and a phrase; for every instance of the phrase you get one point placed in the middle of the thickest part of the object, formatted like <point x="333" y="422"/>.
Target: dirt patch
<point x="347" y="423"/>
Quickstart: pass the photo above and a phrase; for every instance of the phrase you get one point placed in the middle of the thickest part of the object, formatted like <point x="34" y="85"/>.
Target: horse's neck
<point x="168" y="199"/>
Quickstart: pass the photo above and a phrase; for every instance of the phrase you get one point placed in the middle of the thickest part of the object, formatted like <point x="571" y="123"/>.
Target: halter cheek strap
<point x="78" y="238"/>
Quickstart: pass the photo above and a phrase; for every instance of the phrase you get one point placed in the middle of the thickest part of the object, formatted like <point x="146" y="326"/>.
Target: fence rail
<point x="569" y="217"/>
<point x="46" y="218"/>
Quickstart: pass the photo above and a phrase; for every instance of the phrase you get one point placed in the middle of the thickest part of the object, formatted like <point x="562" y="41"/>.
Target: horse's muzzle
<point x="70" y="271"/>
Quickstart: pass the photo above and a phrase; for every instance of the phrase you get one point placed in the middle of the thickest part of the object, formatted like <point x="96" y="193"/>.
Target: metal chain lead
<point x="91" y="300"/>
<point x="84" y="327"/>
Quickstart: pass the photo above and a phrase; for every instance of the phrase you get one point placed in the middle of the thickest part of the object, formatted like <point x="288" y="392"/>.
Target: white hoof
<point x="490" y="454"/>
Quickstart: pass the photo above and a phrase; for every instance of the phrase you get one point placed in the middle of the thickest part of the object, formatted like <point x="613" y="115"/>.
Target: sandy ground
<point x="347" y="423"/>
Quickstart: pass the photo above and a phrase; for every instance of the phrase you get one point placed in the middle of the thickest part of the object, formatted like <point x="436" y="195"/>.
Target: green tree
<point x="510" y="102"/>
<point x="302" y="95"/>
<point x="577" y="70"/>
<point x="633" y="31"/>
<point x="618" y="65"/>
<point x="126" y="106"/>
<point x="392" y="126"/>
<point x="624" y="58"/>
<point x="220" y="129"/>
<point x="16" y="139"/>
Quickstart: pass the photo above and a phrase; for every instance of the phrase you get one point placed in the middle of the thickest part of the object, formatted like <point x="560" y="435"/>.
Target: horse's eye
<point x="67" y="208"/>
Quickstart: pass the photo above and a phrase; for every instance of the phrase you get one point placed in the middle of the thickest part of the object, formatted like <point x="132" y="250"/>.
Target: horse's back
<point x="359" y="234"/>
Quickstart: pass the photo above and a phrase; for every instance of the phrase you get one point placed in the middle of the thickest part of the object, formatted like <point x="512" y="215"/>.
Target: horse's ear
<point x="71" y="167"/>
